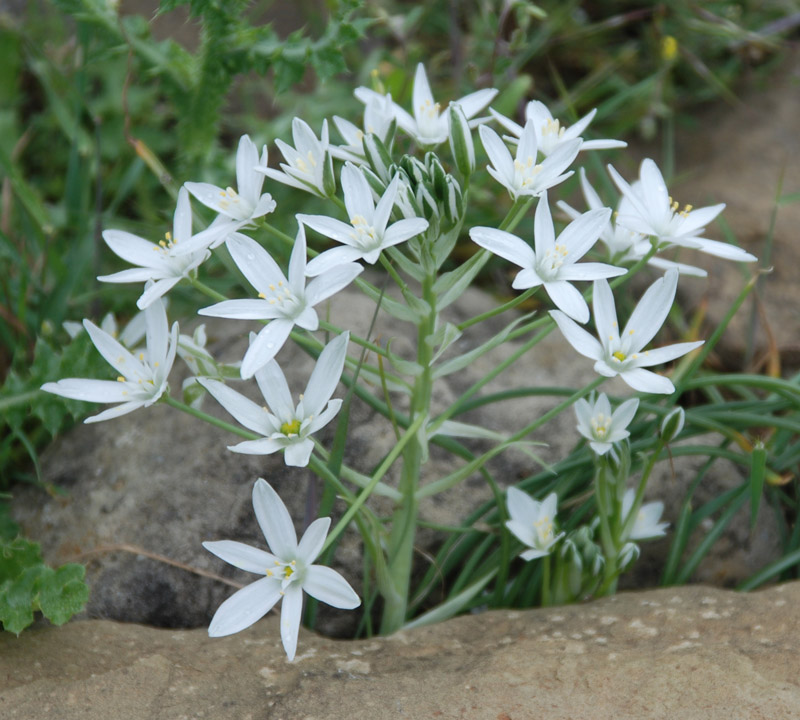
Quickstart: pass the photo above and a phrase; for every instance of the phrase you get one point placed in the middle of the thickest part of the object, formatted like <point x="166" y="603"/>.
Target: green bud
<point x="628" y="555"/>
<point x="376" y="184"/>
<point x="416" y="171"/>
<point x="328" y="178"/>
<point x="672" y="424"/>
<point x="453" y="200"/>
<point x="461" y="143"/>
<point x="437" y="174"/>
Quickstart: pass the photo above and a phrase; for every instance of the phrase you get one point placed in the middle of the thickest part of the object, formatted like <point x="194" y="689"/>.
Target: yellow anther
<point x="162" y="243"/>
<point x="619" y="355"/>
<point x="120" y="378"/>
<point x="262" y="296"/>
<point x="669" y="47"/>
<point x="141" y="357"/>
<point x="270" y="573"/>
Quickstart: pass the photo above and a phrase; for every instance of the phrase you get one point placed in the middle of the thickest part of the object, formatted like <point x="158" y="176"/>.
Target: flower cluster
<point x="406" y="213"/>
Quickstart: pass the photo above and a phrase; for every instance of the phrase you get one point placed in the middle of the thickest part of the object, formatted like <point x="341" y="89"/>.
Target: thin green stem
<point x="194" y="412"/>
<point x="203" y="288"/>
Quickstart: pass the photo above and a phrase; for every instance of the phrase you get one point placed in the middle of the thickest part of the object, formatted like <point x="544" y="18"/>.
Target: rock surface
<point x="693" y="653"/>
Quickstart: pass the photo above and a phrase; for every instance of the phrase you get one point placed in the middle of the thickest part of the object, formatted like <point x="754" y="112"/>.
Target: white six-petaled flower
<point x="236" y="209"/>
<point x="602" y="428"/>
<point x="158" y="262"/>
<point x="429" y="126"/>
<point x="284" y="302"/>
<point x="285" y="426"/>
<point x="625" y="245"/>
<point x="554" y="262"/>
<point x="522" y="174"/>
<point x="288" y="570"/>
<point x="550" y="133"/>
<point x="142" y="378"/>
<point x="367" y="235"/>
<point x="533" y="522"/>
<point x="646" y="525"/>
<point x="656" y="214"/>
<point x="308" y="164"/>
<point x="623" y="353"/>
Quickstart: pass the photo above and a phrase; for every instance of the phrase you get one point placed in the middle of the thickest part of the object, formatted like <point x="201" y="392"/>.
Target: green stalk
<point x="404" y="520"/>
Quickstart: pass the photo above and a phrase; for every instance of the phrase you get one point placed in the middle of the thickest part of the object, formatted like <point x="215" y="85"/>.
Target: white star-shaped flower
<point x="623" y="353"/>
<point x="284" y="425"/>
<point x="523" y="175"/>
<point x="625" y="245"/>
<point x="550" y="133"/>
<point x="157" y="262"/>
<point x="288" y="570"/>
<point x="236" y="209"/>
<point x="646" y="525"/>
<point x="284" y="302"/>
<point x="532" y="522"/>
<point x="429" y="126"/>
<point x="142" y="378"/>
<point x="656" y="214"/>
<point x="602" y="428"/>
<point x="554" y="262"/>
<point x="369" y="232"/>
<point x="306" y="162"/>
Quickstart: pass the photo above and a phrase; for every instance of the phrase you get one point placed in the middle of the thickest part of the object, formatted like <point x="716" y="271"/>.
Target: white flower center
<point x="288" y="303"/>
<point x="286" y="572"/>
<point x="525" y="172"/>
<point x="428" y="119"/>
<point x="543" y="528"/>
<point x="549" y="265"/>
<point x="234" y="205"/>
<point x="365" y="235"/>
<point x="601" y="424"/>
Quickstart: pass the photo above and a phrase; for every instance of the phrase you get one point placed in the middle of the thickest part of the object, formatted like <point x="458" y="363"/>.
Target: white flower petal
<point x="328" y="586"/>
<point x="502" y="243"/>
<point x="274" y="521"/>
<point x="647" y="382"/>
<point x="244" y="410"/>
<point x="291" y="614"/>
<point x="298" y="452"/>
<point x="568" y="299"/>
<point x="266" y="346"/>
<point x="244" y="557"/>
<point x="313" y="539"/>
<point x="576" y="336"/>
<point x="245" y="607"/>
<point x="272" y="383"/>
<point x="255" y="263"/>
<point x="325" y="376"/>
<point x="328" y="261"/>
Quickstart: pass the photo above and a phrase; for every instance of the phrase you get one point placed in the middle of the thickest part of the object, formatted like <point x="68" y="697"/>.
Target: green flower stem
<point x="177" y="404"/>
<point x="516" y="213"/>
<point x="610" y="548"/>
<point x="498" y="310"/>
<point x="546" y="581"/>
<point x="283" y="237"/>
<point x="340" y="204"/>
<point x="330" y="327"/>
<point x="404" y="519"/>
<point x="203" y="288"/>
<point x="376" y="478"/>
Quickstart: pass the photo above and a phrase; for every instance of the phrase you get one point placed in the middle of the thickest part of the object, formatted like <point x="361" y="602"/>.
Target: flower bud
<point x="328" y="177"/>
<point x="672" y="424"/>
<point x="437" y="174"/>
<point x="453" y="200"/>
<point x="461" y="143"/>
<point x="416" y="171"/>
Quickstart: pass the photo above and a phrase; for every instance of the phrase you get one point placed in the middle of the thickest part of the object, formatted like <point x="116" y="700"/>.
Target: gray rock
<point x="695" y="653"/>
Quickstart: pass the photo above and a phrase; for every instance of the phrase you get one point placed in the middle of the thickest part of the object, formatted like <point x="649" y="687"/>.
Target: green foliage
<point x="27" y="585"/>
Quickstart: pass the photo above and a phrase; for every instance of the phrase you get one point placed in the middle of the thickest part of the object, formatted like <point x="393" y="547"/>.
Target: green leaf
<point x="63" y="592"/>
<point x="16" y="555"/>
<point x="451" y="285"/>
<point x="758" y="467"/>
<point x="462" y="361"/>
<point x="18" y="600"/>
